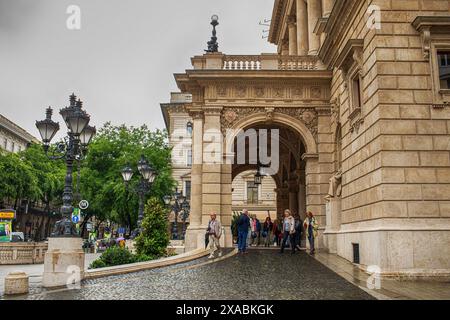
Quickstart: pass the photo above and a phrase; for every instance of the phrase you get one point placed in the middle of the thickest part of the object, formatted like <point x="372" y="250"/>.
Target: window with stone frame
<point x="252" y="192"/>
<point x="443" y="59"/>
<point x="187" y="189"/>
<point x="350" y="62"/>
<point x="189" y="158"/>
<point x="435" y="35"/>
<point x="355" y="90"/>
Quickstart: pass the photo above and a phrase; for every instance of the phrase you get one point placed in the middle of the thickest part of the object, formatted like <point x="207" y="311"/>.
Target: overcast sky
<point x="121" y="62"/>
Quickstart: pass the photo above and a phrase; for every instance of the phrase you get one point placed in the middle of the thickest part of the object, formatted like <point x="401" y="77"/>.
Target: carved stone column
<point x="285" y="48"/>
<point x="195" y="232"/>
<point x="302" y="28"/>
<point x="314" y="13"/>
<point x="327" y="6"/>
<point x="292" y="36"/>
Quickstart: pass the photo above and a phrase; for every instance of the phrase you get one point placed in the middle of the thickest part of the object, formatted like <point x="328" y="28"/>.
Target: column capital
<point x="212" y="110"/>
<point x="310" y="156"/>
<point x="291" y="20"/>
<point x="196" y="114"/>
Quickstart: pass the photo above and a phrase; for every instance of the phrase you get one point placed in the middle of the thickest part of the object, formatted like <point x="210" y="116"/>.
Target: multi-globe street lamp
<point x="176" y="203"/>
<point x="73" y="148"/>
<point x="148" y="175"/>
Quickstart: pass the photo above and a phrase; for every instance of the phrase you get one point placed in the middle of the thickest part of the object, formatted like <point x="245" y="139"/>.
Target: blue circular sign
<point x="75" y="219"/>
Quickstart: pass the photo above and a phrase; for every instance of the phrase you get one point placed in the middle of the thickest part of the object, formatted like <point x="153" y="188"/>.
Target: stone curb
<point x="141" y="266"/>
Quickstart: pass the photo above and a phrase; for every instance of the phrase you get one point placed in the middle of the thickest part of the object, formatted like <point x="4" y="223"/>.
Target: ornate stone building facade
<point x="359" y="92"/>
<point x="12" y="137"/>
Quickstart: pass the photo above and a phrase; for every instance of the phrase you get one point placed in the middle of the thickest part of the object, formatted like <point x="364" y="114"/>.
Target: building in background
<point x="360" y="93"/>
<point x="35" y="220"/>
<point x="12" y="137"/>
<point x="258" y="199"/>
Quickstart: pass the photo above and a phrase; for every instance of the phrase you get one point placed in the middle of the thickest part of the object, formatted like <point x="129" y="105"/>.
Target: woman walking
<point x="311" y="226"/>
<point x="288" y="230"/>
<point x="267" y="232"/>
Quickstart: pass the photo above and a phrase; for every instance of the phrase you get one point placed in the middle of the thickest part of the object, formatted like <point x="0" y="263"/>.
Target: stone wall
<point x="396" y="154"/>
<point x="22" y="253"/>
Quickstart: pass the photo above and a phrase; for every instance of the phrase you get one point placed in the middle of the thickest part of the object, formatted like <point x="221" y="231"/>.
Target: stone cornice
<point x="337" y="23"/>
<point x="429" y="26"/>
<point x="276" y="25"/>
<point x="16" y="131"/>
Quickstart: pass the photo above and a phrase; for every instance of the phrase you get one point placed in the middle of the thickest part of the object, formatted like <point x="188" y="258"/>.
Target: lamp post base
<point x="63" y="263"/>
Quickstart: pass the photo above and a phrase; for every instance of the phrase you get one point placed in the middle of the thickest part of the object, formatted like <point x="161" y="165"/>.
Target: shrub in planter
<point x="154" y="238"/>
<point x="113" y="256"/>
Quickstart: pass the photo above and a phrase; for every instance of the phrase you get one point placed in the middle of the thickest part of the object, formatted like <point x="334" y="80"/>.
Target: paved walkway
<point x="296" y="277"/>
<point x="389" y="289"/>
<point x="35" y="271"/>
<point x="259" y="275"/>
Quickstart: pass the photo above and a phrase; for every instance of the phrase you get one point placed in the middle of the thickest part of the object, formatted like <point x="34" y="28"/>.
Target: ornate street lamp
<point x="72" y="149"/>
<point x="148" y="175"/>
<point x="213" y="46"/>
<point x="186" y="211"/>
<point x="175" y="202"/>
<point x="258" y="177"/>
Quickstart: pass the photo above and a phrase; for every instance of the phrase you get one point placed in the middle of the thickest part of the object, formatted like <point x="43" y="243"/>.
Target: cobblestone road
<point x="259" y="275"/>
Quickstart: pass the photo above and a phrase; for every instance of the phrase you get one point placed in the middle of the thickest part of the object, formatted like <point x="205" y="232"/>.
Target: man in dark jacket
<point x="243" y="225"/>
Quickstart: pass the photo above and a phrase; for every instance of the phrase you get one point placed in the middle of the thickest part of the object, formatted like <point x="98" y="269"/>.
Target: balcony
<point x="219" y="61"/>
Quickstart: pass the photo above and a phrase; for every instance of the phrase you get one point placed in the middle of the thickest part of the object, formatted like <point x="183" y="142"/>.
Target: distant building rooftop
<point x="16" y="130"/>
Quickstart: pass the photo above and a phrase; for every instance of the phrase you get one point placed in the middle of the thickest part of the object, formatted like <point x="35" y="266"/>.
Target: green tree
<point x="50" y="174"/>
<point x="112" y="149"/>
<point x="17" y="179"/>
<point x="154" y="238"/>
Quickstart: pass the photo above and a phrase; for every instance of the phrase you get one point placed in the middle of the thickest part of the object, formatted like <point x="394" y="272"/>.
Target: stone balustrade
<point x="298" y="63"/>
<point x="241" y="62"/>
<point x="22" y="253"/>
<point x="265" y="61"/>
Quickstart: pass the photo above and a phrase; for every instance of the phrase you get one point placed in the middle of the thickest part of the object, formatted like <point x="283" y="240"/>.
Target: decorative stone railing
<point x="268" y="61"/>
<point x="22" y="253"/>
<point x="297" y="63"/>
<point x="242" y="62"/>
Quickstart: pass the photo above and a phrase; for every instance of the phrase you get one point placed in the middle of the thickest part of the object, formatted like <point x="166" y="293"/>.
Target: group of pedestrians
<point x="289" y="229"/>
<point x="279" y="232"/>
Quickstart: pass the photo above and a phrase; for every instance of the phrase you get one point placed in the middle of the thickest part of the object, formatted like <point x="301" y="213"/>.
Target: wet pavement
<point x="259" y="275"/>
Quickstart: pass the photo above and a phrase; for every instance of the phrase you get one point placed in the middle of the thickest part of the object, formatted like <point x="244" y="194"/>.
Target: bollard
<point x="16" y="283"/>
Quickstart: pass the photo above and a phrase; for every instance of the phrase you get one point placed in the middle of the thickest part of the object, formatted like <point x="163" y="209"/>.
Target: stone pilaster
<point x="195" y="231"/>
<point x="327" y="6"/>
<point x="302" y="28"/>
<point x="292" y="27"/>
<point x="314" y="13"/>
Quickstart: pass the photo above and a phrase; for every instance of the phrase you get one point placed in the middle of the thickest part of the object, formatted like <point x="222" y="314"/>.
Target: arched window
<point x="189" y="128"/>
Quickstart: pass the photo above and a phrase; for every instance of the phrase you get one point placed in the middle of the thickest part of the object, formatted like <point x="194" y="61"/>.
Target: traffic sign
<point x="75" y="219"/>
<point x="84" y="204"/>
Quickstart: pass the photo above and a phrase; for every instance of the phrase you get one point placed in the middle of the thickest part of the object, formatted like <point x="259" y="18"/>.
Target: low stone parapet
<point x="141" y="266"/>
<point x="22" y="253"/>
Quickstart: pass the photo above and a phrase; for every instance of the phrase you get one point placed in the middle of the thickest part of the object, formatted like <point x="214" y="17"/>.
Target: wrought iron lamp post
<point x="148" y="175"/>
<point x="186" y="211"/>
<point x="213" y="46"/>
<point x="73" y="148"/>
<point x="175" y="202"/>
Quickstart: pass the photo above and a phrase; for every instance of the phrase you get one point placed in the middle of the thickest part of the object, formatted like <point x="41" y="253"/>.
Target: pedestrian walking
<point x="288" y="230"/>
<point x="276" y="230"/>
<point x="298" y="231"/>
<point x="215" y="232"/>
<point x="267" y="232"/>
<point x="311" y="227"/>
<point x="243" y="224"/>
<point x="254" y="231"/>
